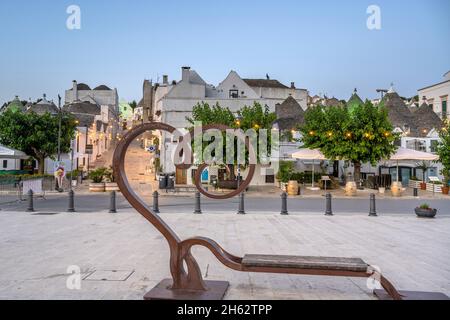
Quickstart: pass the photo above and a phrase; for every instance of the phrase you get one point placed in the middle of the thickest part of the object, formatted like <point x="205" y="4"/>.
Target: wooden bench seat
<point x="304" y="262"/>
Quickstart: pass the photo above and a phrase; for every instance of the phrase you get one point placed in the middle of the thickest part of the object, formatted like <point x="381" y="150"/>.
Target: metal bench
<point x="187" y="281"/>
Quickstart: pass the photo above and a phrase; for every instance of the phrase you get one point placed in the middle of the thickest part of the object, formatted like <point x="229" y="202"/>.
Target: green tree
<point x="443" y="150"/>
<point x="286" y="171"/>
<point x="36" y="135"/>
<point x="211" y="115"/>
<point x="133" y="105"/>
<point x="363" y="135"/>
<point x="248" y="117"/>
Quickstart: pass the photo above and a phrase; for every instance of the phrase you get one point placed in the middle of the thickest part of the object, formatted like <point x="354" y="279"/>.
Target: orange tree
<point x="443" y="151"/>
<point x="363" y="135"/>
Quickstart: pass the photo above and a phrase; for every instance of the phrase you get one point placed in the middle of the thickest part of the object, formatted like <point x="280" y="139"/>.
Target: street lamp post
<point x="238" y="123"/>
<point x="59" y="138"/>
<point x="59" y="128"/>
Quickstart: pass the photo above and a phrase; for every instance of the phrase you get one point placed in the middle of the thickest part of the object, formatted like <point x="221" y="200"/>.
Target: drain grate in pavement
<point x="109" y="275"/>
<point x="45" y="213"/>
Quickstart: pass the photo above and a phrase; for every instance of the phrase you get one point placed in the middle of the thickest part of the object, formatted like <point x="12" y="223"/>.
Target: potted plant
<point x="73" y="177"/>
<point x="110" y="183"/>
<point x="445" y="185"/>
<point x="424" y="211"/>
<point x="284" y="173"/>
<point x="424" y="166"/>
<point x="97" y="176"/>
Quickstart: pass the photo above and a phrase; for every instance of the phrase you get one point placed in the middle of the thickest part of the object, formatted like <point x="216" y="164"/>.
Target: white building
<point x="100" y="95"/>
<point x="436" y="96"/>
<point x="173" y="102"/>
<point x="11" y="159"/>
<point x="97" y="113"/>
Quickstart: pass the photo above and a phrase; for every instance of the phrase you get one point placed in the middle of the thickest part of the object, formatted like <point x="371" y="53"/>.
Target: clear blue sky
<point x="323" y="46"/>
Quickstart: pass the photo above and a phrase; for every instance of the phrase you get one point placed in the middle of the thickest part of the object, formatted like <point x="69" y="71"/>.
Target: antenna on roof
<point x="382" y="91"/>
<point x="391" y="89"/>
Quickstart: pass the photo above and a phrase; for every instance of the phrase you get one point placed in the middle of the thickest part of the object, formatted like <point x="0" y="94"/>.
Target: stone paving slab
<point x="35" y="252"/>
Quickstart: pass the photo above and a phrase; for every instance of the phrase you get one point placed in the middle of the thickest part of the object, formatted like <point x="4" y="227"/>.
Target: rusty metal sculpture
<point x="189" y="284"/>
<point x="185" y="284"/>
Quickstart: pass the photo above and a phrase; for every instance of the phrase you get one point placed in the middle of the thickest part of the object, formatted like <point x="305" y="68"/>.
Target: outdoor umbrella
<point x="309" y="154"/>
<point x="410" y="154"/>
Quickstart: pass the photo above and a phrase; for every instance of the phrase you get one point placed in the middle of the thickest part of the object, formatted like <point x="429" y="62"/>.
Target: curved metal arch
<point x="180" y="251"/>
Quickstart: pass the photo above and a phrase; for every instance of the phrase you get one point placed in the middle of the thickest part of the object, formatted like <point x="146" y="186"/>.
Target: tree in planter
<point x="363" y="135"/>
<point x="285" y="171"/>
<point x="443" y="150"/>
<point x="424" y="166"/>
<point x="249" y="117"/>
<point x="36" y="135"/>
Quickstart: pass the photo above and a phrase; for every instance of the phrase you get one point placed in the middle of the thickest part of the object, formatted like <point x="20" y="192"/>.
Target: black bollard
<point x="112" y="203"/>
<point x="241" y="204"/>
<point x="71" y="207"/>
<point x="155" y="202"/>
<point x="30" y="201"/>
<point x="198" y="209"/>
<point x="415" y="192"/>
<point x="284" y="210"/>
<point x="328" y="211"/>
<point x="373" y="210"/>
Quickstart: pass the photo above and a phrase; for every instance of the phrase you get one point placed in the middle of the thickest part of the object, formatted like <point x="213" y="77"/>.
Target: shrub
<point x="98" y="175"/>
<point x="285" y="171"/>
<point x="425" y="206"/>
<point x="109" y="175"/>
<point x="25" y="176"/>
<point x="74" y="175"/>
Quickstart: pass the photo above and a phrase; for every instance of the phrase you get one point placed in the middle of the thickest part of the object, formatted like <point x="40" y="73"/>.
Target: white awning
<point x="308" y="154"/>
<point x="410" y="154"/>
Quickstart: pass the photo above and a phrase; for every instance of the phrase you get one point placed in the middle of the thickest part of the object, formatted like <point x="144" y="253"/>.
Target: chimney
<point x="165" y="79"/>
<point x="185" y="73"/>
<point x="75" y="90"/>
<point x="292" y="85"/>
<point x="148" y="97"/>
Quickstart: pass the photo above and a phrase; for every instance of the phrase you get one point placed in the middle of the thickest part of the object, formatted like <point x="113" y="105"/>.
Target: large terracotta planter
<point x="445" y="189"/>
<point x="396" y="189"/>
<point x="97" y="187"/>
<point x="111" y="186"/>
<point x="423" y="186"/>
<point x="350" y="189"/>
<point x="292" y="188"/>
<point x="425" y="213"/>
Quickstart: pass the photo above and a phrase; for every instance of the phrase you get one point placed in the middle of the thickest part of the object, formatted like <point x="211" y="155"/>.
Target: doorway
<point x="404" y="174"/>
<point x="181" y="176"/>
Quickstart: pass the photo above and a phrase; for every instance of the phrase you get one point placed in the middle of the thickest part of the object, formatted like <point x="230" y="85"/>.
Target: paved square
<point x="36" y="251"/>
